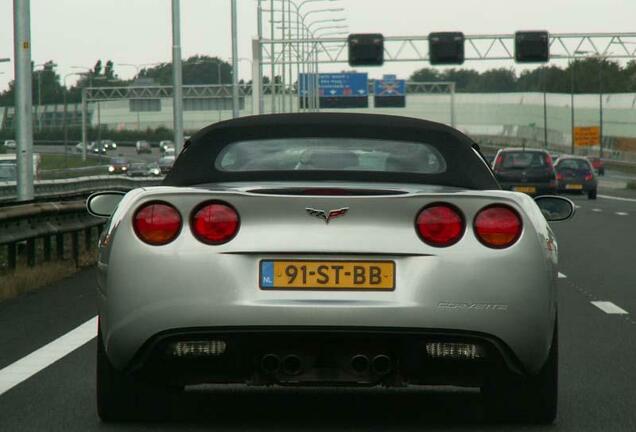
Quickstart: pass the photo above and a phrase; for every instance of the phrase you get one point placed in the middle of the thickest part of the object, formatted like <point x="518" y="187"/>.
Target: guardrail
<point x="492" y="143"/>
<point x="49" y="222"/>
<point x="54" y="189"/>
<point x="66" y="173"/>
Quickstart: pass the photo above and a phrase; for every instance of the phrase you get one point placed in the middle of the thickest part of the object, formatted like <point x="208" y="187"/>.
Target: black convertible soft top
<point x="465" y="168"/>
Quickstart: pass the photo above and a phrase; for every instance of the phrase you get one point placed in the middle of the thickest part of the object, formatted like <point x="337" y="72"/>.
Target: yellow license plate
<point x="525" y="189"/>
<point x="327" y="275"/>
<point x="574" y="186"/>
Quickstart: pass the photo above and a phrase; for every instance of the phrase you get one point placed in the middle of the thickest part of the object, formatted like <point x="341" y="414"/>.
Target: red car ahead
<point x="597" y="164"/>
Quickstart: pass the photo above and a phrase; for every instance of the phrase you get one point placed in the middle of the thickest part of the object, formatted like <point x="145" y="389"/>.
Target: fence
<point x="49" y="222"/>
<point x="53" y="189"/>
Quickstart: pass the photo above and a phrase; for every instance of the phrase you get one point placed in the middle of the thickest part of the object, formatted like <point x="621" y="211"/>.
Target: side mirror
<point x="103" y="204"/>
<point x="555" y="208"/>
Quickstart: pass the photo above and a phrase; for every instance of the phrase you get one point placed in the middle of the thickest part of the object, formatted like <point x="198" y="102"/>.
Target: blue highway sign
<point x="389" y="86"/>
<point x="337" y="84"/>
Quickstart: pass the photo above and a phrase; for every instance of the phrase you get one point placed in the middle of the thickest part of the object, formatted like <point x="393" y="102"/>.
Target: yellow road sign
<point x="585" y="136"/>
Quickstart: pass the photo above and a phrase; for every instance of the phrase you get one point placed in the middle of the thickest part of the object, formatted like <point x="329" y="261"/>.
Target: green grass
<point x="58" y="161"/>
<point x="631" y="185"/>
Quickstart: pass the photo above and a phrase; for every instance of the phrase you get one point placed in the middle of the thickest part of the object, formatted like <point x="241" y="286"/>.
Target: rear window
<point x="574" y="164"/>
<point x="331" y="154"/>
<point x="523" y="160"/>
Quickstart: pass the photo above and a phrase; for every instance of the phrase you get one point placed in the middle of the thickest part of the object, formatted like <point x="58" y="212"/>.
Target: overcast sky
<point x="78" y="32"/>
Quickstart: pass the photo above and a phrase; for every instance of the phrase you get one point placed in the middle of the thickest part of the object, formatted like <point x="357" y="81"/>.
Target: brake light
<point x="588" y="176"/>
<point x="440" y="224"/>
<point x="559" y="176"/>
<point x="548" y="160"/>
<point x="498" y="161"/>
<point x="497" y="226"/>
<point x="215" y="223"/>
<point x="326" y="191"/>
<point x="157" y="223"/>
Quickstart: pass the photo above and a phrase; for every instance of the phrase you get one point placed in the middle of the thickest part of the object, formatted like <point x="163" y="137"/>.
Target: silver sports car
<point x="328" y="249"/>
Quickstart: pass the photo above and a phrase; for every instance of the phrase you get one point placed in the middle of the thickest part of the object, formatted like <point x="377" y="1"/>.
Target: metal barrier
<point x="53" y="189"/>
<point x="25" y="224"/>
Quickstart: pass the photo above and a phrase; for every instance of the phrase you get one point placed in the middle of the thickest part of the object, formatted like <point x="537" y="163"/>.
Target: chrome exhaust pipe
<point x="381" y="364"/>
<point x="292" y="365"/>
<point x="360" y="363"/>
<point x="270" y="363"/>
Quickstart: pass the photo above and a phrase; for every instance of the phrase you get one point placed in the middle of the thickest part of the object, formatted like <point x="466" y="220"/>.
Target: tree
<point x="425" y="75"/>
<point x="196" y="70"/>
<point x="498" y="80"/>
<point x="464" y="79"/>
<point x="109" y="71"/>
<point x="45" y="84"/>
<point x="98" y="68"/>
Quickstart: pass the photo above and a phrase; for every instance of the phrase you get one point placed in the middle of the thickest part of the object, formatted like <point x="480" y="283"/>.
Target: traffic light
<point x="366" y="49"/>
<point x="532" y="47"/>
<point x="446" y="48"/>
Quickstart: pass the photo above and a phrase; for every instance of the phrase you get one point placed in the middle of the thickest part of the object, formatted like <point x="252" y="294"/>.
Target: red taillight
<point x="440" y="224"/>
<point x="215" y="223"/>
<point x="498" y="161"/>
<point x="548" y="160"/>
<point x="497" y="226"/>
<point x="157" y="223"/>
<point x="588" y="177"/>
<point x="559" y="176"/>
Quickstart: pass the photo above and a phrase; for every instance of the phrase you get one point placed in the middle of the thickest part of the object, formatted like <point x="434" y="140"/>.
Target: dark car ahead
<point x="576" y="174"/>
<point x="165" y="164"/>
<point x="525" y="170"/>
<point x="118" y="166"/>
<point x="137" y="169"/>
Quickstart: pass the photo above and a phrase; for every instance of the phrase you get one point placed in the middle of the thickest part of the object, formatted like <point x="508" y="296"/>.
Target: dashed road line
<point x="597" y="210"/>
<point x="609" y="307"/>
<point x="562" y="276"/>
<point x="27" y="366"/>
<point x="616" y="198"/>
<point x="621" y="214"/>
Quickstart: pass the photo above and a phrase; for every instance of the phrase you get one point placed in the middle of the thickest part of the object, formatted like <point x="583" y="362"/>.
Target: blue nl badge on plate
<point x="267" y="274"/>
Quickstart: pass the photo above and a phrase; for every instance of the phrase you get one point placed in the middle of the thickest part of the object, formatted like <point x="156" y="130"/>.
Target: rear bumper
<point x="587" y="186"/>
<point x="540" y="188"/>
<point x="518" y="314"/>
<point x="323" y="356"/>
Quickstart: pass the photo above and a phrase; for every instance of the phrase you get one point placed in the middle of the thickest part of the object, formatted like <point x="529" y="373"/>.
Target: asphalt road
<point x="597" y="363"/>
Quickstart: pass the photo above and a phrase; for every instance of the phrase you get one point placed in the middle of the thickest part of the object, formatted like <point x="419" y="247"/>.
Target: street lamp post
<point x="177" y="78"/>
<point x="601" y="61"/>
<point x="302" y="64"/>
<point x="40" y="91"/>
<point x="235" y="71"/>
<point x="89" y="75"/>
<point x="65" y="118"/>
<point x="572" y="127"/>
<point x="283" y="66"/>
<point x="259" y="83"/>
<point x="23" y="98"/>
<point x="137" y="76"/>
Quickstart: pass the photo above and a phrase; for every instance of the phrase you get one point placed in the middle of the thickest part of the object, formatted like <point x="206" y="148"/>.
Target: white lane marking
<point x="597" y="210"/>
<point x="621" y="214"/>
<point x="27" y="366"/>
<point x="562" y="276"/>
<point x="609" y="307"/>
<point x="616" y="198"/>
<point x="576" y="206"/>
